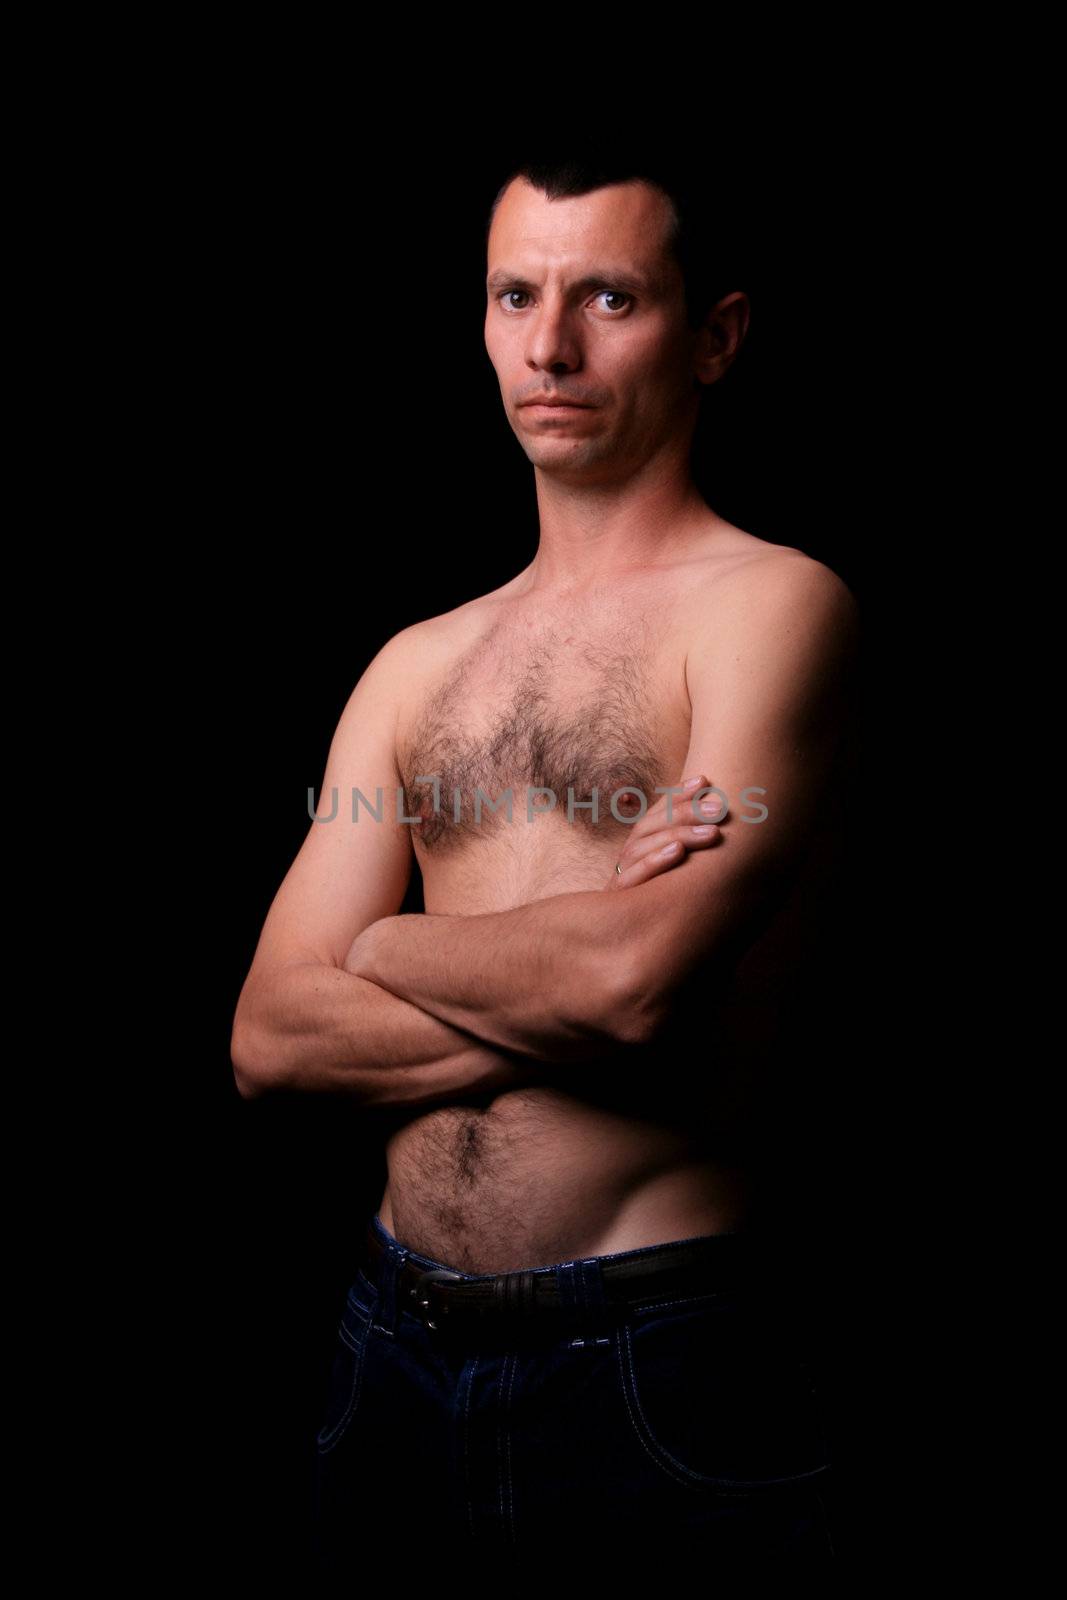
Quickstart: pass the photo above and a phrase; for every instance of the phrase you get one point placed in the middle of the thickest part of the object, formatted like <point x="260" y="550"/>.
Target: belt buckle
<point x="422" y="1293"/>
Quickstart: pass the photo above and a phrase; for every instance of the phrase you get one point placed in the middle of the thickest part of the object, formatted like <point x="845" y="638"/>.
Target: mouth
<point x="555" y="402"/>
<point x="559" y="408"/>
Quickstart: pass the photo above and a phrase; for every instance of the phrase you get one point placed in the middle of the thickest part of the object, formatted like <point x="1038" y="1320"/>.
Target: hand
<point x="505" y="1071"/>
<point x="643" y="854"/>
<point x="358" y="961"/>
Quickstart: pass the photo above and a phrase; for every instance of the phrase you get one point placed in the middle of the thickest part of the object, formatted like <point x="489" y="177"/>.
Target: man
<point x="566" y="1048"/>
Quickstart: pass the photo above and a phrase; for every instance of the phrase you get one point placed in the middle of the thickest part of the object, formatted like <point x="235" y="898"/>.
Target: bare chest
<point x="546" y="728"/>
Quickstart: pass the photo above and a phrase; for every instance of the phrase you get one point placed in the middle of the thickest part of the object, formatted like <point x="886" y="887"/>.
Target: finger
<point x="681" y="809"/>
<point x="692" y="836"/>
<point x="649" y="866"/>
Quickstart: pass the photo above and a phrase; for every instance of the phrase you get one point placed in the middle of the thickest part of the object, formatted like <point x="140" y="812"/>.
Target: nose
<point x="552" y="339"/>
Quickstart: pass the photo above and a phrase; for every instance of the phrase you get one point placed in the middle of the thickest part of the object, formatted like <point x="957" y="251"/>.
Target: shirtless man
<point x="565" y="1049"/>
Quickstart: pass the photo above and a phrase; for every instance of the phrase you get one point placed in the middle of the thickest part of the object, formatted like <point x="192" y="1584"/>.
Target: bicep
<point x="355" y="862"/>
<point x="770" y="690"/>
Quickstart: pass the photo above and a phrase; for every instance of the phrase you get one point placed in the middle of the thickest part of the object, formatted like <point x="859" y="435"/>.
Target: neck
<point x="592" y="533"/>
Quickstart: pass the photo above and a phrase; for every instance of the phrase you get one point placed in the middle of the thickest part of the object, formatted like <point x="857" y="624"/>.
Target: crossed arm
<point x="576" y="975"/>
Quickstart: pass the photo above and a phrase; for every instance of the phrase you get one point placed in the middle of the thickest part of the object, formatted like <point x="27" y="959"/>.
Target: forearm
<point x="318" y="1027"/>
<point x="548" y="979"/>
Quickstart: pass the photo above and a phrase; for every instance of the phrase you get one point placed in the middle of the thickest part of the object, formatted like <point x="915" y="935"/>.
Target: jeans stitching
<point x="503" y="1438"/>
<point x="468" y="1372"/>
<point x="329" y="1441"/>
<point x="685" y="1300"/>
<point x="670" y="1464"/>
<point x="511" y="1478"/>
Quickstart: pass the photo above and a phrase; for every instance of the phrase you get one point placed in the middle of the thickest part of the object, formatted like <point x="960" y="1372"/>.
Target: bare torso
<point x="517" y="690"/>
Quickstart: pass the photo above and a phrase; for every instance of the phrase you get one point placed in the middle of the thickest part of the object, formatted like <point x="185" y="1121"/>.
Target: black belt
<point x="441" y="1297"/>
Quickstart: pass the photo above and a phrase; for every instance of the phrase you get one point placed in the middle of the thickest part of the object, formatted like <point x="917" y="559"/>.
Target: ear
<point x="721" y="336"/>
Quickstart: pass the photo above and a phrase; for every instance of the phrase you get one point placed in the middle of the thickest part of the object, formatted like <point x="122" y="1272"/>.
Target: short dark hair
<point x="702" y="237"/>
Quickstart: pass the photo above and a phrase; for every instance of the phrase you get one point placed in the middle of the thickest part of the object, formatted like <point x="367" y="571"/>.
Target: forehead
<point x="626" y="224"/>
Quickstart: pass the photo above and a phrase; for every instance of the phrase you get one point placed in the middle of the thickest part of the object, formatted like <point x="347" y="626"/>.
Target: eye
<point x="506" y="298"/>
<point x="615" y="294"/>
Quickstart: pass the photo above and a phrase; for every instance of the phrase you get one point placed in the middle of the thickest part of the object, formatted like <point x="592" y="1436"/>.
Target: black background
<point x="343" y="468"/>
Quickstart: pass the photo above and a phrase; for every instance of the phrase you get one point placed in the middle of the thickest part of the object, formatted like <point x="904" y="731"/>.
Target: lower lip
<point x="556" y="411"/>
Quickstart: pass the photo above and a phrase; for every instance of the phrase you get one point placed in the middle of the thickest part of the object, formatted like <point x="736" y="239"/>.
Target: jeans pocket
<point x="718" y="1399"/>
<point x="346" y="1374"/>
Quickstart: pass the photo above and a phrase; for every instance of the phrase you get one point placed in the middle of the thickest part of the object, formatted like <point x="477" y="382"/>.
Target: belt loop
<point x="595" y="1298"/>
<point x="581" y="1286"/>
<point x="391" y="1267"/>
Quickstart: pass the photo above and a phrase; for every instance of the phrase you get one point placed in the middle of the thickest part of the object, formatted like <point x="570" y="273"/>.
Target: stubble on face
<point x="634" y="373"/>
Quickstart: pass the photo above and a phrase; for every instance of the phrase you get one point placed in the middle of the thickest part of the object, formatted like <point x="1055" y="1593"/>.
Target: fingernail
<point x="691" y="783"/>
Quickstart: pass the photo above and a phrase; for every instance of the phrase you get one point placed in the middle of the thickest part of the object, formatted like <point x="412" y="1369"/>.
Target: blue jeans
<point x="691" y="1415"/>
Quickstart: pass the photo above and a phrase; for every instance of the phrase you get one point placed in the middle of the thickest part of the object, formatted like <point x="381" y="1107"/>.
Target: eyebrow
<point x="603" y="277"/>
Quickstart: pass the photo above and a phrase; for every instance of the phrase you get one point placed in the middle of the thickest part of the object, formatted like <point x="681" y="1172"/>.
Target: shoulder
<point x="774" y="632"/>
<point x="426" y="648"/>
<point x="757" y="589"/>
<point x="789" y="586"/>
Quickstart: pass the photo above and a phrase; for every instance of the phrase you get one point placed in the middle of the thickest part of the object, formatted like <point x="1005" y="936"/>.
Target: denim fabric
<point x="685" y="1415"/>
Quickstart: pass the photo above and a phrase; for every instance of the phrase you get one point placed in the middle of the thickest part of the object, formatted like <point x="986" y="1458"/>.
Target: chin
<point x="552" y="447"/>
<point x="542" y="454"/>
